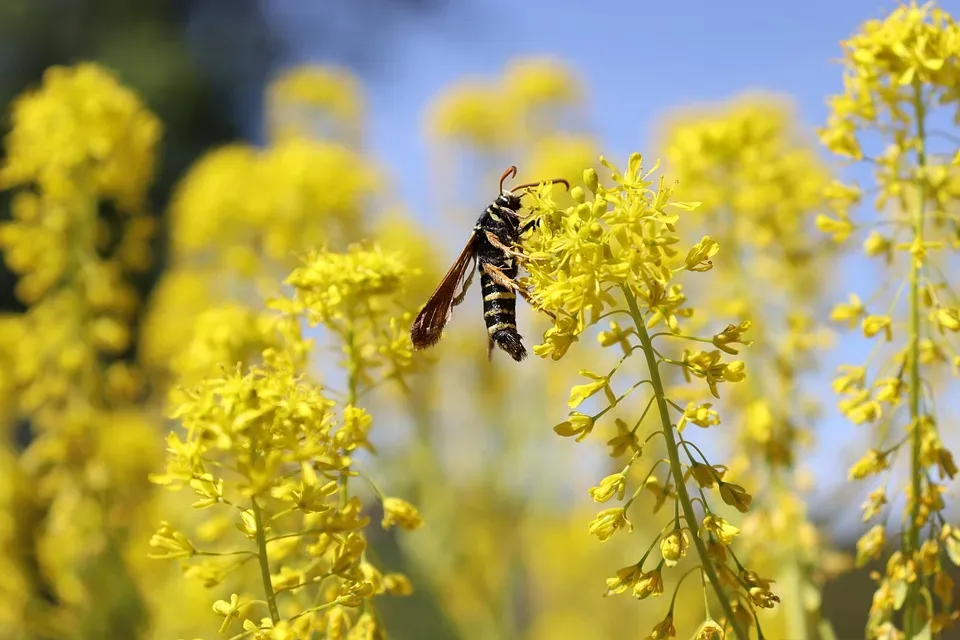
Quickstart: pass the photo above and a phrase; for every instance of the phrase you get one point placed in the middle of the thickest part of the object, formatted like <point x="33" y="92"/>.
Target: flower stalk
<point x="676" y="468"/>
<point x="913" y="601"/>
<point x="264" y="561"/>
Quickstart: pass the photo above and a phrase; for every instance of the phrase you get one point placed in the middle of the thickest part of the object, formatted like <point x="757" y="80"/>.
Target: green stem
<point x="673" y="454"/>
<point x="911" y="619"/>
<point x="265" y="563"/>
<point x="353" y="384"/>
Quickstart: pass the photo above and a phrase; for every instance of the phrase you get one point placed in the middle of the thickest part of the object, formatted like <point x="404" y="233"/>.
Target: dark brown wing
<point x="428" y="326"/>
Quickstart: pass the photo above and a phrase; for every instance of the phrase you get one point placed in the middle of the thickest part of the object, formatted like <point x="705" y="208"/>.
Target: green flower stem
<point x="353" y="385"/>
<point x="265" y="563"/>
<point x="682" y="495"/>
<point x="911" y="620"/>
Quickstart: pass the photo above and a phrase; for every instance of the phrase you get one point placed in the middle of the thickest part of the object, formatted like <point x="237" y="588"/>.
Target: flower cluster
<point x="274" y="449"/>
<point x="614" y="252"/>
<point x="80" y="143"/>
<point x="317" y="102"/>
<point x="760" y="184"/>
<point x="255" y="208"/>
<point x="900" y="77"/>
<point x="241" y="215"/>
<point x="530" y="114"/>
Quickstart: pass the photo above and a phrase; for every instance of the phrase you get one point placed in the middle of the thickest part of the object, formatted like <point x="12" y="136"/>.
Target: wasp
<point x="490" y="249"/>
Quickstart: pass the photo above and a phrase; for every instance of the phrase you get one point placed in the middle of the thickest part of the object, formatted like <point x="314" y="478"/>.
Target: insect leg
<point x="501" y="279"/>
<point x="466" y="285"/>
<point x="533" y="222"/>
<point x="495" y="241"/>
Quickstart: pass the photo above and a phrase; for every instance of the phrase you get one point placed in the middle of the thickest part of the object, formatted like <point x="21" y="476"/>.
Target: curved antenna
<point x="511" y="172"/>
<point x="537" y="184"/>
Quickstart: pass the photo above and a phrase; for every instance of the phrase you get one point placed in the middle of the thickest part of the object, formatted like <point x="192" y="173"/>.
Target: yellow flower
<point x="698" y="258"/>
<point x="946" y="319"/>
<point x="581" y="392"/>
<point x="673" y="547"/>
<point x="707" y="365"/>
<point x="870" y="545"/>
<point x="705" y="475"/>
<point x="735" y="496"/>
<point x="353" y="593"/>
<point x="890" y="390"/>
<point x="608" y="522"/>
<point x="402" y="513"/>
<point x="763" y="598"/>
<point x="840" y="229"/>
<point x="874" y="503"/>
<point x="649" y="584"/>
<point x="723" y="530"/>
<point x="534" y="82"/>
<point x="663" y="629"/>
<point x="616" y="335"/>
<point x="625" y="578"/>
<point x="872" y="325"/>
<point x="732" y="334"/>
<point x="170" y="543"/>
<point x="852" y="378"/>
<point x="702" y="415"/>
<point x="229" y="610"/>
<point x="861" y="407"/>
<point x="576" y="424"/>
<point x="626" y="439"/>
<point x="849" y="312"/>
<point x="397" y="584"/>
<point x="329" y="90"/>
<point x="612" y="485"/>
<point x="81" y="130"/>
<point x="709" y="630"/>
<point x="466" y="114"/>
<point x="873" y="462"/>
<point x="878" y="245"/>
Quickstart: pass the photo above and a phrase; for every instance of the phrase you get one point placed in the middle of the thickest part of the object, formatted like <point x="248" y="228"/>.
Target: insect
<point x="490" y="248"/>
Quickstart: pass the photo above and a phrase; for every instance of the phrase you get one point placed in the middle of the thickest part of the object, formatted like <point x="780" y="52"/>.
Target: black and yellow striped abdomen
<point x="500" y="312"/>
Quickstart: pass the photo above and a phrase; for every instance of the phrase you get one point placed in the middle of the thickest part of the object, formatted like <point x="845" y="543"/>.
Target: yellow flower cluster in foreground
<point x="614" y="252"/>
<point x="270" y="447"/>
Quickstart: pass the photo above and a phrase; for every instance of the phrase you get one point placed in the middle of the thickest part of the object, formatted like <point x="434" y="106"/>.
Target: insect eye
<point x="503" y="200"/>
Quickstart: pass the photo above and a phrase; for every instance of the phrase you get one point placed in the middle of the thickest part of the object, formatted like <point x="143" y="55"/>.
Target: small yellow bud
<point x="673" y="547"/>
<point x="591" y="179"/>
<point x="723" y="530"/>
<point x="735" y="496"/>
<point x="608" y="522"/>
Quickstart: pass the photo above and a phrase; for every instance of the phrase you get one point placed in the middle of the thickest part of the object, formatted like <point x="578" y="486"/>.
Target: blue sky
<point x="637" y="60"/>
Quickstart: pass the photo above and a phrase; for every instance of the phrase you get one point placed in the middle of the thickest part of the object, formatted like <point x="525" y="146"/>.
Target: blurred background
<point x="432" y="98"/>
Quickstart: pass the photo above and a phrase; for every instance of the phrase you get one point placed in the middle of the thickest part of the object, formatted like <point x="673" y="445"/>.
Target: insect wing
<point x="428" y="327"/>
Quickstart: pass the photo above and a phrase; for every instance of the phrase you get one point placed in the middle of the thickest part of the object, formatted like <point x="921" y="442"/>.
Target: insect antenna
<point x="528" y="185"/>
<point x="511" y="172"/>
